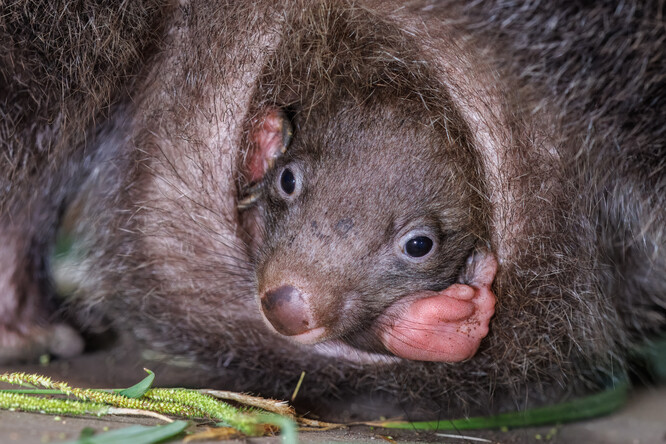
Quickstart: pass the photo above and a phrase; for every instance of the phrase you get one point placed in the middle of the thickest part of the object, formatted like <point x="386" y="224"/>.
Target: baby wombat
<point x="370" y="233"/>
<point x="431" y="208"/>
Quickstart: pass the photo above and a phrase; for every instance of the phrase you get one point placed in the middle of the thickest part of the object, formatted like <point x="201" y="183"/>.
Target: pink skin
<point x="445" y="326"/>
<point x="268" y="144"/>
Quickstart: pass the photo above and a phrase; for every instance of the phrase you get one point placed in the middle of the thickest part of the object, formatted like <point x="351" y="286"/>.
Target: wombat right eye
<point x="288" y="181"/>
<point x="418" y="246"/>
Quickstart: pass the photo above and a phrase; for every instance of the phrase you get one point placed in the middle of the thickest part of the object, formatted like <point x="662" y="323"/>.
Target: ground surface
<point x="641" y="421"/>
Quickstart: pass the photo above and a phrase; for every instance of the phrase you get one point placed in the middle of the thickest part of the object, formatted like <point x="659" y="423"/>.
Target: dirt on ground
<point x="641" y="421"/>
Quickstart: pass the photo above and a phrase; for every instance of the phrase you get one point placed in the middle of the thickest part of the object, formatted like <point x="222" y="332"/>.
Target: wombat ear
<point x="269" y="136"/>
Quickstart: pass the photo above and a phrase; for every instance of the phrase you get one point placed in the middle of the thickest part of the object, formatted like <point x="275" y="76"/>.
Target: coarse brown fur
<point x="63" y="65"/>
<point x="547" y="118"/>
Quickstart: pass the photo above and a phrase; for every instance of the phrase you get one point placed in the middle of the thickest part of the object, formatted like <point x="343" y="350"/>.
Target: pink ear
<point x="269" y="137"/>
<point x="445" y="326"/>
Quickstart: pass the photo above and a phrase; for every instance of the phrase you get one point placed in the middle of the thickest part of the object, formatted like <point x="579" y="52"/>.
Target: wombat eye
<point x="418" y="246"/>
<point x="288" y="181"/>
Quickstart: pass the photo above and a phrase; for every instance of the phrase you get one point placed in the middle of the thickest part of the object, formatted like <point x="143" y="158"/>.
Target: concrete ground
<point x="641" y="421"/>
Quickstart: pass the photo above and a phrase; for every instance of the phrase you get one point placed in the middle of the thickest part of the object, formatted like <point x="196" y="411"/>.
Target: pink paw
<point x="444" y="326"/>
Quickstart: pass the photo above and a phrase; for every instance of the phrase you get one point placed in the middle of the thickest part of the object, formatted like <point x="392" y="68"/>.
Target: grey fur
<point x="145" y="168"/>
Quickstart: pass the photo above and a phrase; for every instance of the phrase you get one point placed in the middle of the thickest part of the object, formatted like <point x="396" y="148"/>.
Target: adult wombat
<point x="404" y="173"/>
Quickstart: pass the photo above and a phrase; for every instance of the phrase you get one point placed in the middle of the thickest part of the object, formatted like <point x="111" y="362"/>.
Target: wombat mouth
<point x="447" y="325"/>
<point x="338" y="349"/>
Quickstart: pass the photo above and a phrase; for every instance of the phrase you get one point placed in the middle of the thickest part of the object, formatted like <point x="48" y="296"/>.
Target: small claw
<point x="251" y="196"/>
<point x="287" y="134"/>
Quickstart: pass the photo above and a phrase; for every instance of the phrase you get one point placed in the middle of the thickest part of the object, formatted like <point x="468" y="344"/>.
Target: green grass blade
<point x="54" y="406"/>
<point x="588" y="407"/>
<point x="34" y="391"/>
<point x="139" y="389"/>
<point x="136" y="434"/>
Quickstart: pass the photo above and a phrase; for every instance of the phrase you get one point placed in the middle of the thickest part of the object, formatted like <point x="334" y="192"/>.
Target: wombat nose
<point x="287" y="310"/>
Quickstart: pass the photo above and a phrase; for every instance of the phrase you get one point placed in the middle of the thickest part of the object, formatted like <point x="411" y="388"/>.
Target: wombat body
<point x="446" y="208"/>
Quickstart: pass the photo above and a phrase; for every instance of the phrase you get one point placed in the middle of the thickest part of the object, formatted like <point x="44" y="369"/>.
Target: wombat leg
<point x="444" y="326"/>
<point x="25" y="333"/>
<point x="26" y="343"/>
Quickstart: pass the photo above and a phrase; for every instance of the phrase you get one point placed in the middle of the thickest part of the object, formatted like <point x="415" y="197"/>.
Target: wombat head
<point x="361" y="214"/>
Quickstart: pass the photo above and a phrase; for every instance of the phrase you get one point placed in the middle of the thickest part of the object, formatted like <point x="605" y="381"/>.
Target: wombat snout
<point x="288" y="311"/>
